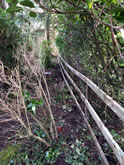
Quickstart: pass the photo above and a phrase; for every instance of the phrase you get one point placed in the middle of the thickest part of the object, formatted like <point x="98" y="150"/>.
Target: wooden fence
<point x="114" y="106"/>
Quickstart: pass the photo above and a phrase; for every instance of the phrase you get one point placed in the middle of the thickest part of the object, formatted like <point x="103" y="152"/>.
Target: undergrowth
<point x="33" y="152"/>
<point x="7" y="155"/>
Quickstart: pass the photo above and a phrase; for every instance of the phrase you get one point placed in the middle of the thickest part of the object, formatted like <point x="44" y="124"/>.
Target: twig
<point x="61" y="12"/>
<point x="120" y="4"/>
<point x="46" y="99"/>
<point x="104" y="23"/>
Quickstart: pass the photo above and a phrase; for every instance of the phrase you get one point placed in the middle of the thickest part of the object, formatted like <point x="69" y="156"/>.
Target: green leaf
<point x="27" y="93"/>
<point x="115" y="135"/>
<point x="116" y="10"/>
<point x="118" y="14"/>
<point x="30" y="105"/>
<point x="13" y="2"/>
<point x="121" y="64"/>
<point x="27" y="3"/>
<point x="119" y="18"/>
<point x="33" y="14"/>
<point x="13" y="9"/>
<point x="31" y="108"/>
<point x="58" y="2"/>
<point x="34" y="108"/>
<point x="77" y="17"/>
<point x="89" y="3"/>
<point x="107" y="1"/>
<point x="78" y="150"/>
<point x="40" y="102"/>
<point x="37" y="132"/>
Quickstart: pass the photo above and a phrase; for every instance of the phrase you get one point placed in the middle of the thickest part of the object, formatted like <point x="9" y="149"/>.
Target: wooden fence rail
<point x="119" y="110"/>
<point x="113" y="144"/>
<point x="99" y="149"/>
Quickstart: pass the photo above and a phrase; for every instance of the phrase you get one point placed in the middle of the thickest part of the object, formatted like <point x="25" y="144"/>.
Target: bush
<point x="10" y="37"/>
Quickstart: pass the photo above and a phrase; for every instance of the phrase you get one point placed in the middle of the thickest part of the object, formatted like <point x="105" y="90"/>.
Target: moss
<point x="8" y="153"/>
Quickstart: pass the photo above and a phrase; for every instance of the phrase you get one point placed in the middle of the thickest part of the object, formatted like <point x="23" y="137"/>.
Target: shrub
<point x="10" y="37"/>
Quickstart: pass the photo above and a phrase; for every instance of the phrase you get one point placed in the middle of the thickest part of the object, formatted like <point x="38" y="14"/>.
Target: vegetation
<point x="89" y="35"/>
<point x="8" y="153"/>
<point x="10" y="39"/>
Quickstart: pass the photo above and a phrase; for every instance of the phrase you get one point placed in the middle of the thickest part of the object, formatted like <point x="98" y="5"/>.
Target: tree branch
<point x="56" y="11"/>
<point x="104" y="23"/>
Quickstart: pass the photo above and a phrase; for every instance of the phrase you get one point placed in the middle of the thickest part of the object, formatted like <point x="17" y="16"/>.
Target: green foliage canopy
<point x="98" y="9"/>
